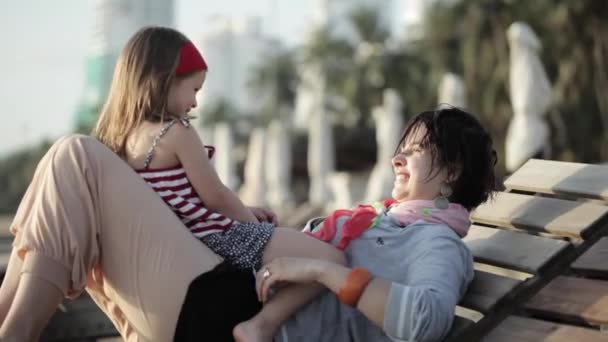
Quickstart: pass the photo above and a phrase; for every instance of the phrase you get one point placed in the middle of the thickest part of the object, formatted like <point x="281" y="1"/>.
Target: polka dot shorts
<point x="242" y="245"/>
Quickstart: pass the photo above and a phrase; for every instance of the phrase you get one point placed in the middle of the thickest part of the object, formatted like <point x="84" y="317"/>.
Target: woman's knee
<point x="69" y="148"/>
<point x="76" y="142"/>
<point x="72" y="140"/>
<point x="85" y="152"/>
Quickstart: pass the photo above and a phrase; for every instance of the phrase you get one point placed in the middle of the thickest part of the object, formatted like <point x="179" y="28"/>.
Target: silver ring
<point x="266" y="273"/>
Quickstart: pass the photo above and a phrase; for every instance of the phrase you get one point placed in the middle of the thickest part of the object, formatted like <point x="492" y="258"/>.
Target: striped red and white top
<point x="174" y="187"/>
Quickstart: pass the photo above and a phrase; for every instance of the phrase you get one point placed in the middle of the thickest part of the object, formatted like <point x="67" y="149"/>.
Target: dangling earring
<point x="441" y="201"/>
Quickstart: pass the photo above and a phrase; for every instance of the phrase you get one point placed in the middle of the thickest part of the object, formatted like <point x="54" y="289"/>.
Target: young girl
<point x="145" y="121"/>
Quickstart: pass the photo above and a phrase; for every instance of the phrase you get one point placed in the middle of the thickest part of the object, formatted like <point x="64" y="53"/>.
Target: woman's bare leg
<point x="32" y="292"/>
<point x="9" y="284"/>
<point x="287" y="301"/>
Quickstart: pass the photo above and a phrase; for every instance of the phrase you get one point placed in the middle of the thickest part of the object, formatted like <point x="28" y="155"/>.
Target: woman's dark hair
<point x="458" y="143"/>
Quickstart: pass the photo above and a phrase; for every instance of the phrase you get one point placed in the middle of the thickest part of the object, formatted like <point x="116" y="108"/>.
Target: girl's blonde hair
<point x="140" y="85"/>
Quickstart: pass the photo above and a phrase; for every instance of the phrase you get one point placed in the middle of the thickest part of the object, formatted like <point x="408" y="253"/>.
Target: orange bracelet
<point x="353" y="287"/>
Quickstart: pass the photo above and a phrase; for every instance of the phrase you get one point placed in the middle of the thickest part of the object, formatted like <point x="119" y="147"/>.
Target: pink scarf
<point x="364" y="217"/>
<point x="454" y="216"/>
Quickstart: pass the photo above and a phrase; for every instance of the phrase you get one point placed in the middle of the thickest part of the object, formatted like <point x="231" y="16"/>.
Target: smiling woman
<point x="444" y="166"/>
<point x="413" y="167"/>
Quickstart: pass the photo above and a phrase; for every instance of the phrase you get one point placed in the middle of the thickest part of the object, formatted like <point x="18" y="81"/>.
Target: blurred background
<point x="305" y="100"/>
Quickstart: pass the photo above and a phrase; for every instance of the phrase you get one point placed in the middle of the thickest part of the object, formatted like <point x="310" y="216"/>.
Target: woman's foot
<point x="253" y="331"/>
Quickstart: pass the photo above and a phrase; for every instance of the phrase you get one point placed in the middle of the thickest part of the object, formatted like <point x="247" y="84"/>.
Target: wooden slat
<point x="509" y="249"/>
<point x="556" y="177"/>
<point x="459" y="325"/>
<point x="572" y="299"/>
<point x="521" y="329"/>
<point x="594" y="262"/>
<point x="486" y="290"/>
<point x="556" y="216"/>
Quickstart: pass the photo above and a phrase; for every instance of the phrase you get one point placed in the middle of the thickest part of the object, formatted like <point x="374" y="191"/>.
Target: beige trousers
<point x="88" y="221"/>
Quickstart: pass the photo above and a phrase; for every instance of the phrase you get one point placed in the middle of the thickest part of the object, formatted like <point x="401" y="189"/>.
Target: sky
<point x="44" y="47"/>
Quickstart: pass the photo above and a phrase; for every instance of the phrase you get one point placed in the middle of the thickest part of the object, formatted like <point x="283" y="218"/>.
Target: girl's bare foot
<point x="253" y="331"/>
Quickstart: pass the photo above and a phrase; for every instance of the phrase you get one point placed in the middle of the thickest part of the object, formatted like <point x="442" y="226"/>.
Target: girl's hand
<point x="264" y="215"/>
<point x="287" y="269"/>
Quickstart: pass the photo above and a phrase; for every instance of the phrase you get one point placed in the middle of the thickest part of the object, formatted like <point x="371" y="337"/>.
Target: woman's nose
<point x="398" y="160"/>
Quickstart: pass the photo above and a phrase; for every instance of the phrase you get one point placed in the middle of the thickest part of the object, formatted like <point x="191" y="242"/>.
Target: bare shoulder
<point x="180" y="137"/>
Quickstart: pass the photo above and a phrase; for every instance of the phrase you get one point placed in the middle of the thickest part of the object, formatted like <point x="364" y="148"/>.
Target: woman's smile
<point x="401" y="177"/>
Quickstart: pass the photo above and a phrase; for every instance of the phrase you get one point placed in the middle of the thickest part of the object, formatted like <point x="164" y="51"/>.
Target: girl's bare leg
<point x="286" y="242"/>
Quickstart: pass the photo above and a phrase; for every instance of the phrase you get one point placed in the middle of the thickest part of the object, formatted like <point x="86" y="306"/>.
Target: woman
<point x="409" y="269"/>
<point x="156" y="282"/>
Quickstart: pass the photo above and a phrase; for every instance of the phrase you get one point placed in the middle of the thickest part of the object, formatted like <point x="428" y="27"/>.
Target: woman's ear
<point x="453" y="174"/>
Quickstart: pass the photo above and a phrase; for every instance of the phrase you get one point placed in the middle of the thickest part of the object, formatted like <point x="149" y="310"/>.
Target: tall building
<point x="114" y="22"/>
<point x="233" y="48"/>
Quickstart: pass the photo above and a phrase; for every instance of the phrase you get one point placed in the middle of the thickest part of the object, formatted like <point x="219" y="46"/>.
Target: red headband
<point x="189" y="60"/>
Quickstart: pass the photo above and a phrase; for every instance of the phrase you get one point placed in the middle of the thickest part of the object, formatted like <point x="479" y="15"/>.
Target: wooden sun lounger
<point x="549" y="224"/>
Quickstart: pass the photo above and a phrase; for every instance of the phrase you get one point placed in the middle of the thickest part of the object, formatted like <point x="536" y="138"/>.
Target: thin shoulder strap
<point x="184" y="121"/>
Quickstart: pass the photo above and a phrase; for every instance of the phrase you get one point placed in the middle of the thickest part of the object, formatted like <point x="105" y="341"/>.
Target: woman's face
<point x="412" y="168"/>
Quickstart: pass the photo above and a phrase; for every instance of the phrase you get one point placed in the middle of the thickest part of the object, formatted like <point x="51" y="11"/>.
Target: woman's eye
<point x="407" y="152"/>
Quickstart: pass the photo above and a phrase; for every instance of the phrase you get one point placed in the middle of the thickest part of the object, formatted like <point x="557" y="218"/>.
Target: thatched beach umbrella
<point x="528" y="133"/>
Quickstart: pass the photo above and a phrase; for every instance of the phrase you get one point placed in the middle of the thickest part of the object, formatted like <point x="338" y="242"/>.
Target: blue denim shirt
<point x="430" y="268"/>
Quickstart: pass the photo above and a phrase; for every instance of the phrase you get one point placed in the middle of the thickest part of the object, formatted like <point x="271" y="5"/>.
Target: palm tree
<point x="353" y="72"/>
<point x="219" y="111"/>
<point x="16" y="172"/>
<point x="362" y="87"/>
<point x="333" y="56"/>
<point x="274" y="81"/>
<point x="468" y="37"/>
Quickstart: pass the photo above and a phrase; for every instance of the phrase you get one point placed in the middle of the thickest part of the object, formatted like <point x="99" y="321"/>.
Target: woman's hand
<point x="287" y="269"/>
<point x="264" y="215"/>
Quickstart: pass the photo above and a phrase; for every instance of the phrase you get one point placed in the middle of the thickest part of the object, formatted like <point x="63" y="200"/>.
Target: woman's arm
<point x="190" y="151"/>
<point x="421" y="309"/>
<point x="373" y="299"/>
